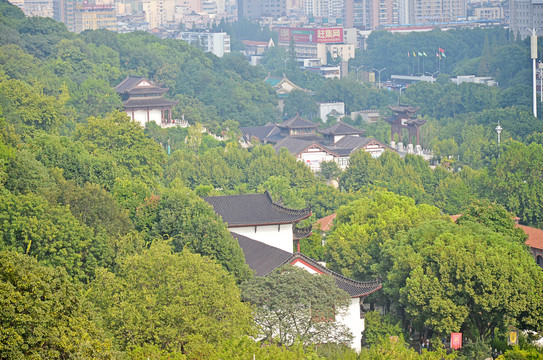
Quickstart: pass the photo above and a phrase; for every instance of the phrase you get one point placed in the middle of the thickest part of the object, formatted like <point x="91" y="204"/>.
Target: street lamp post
<point x="432" y="74"/>
<point x="499" y="131"/>
<point x="357" y="68"/>
<point x="379" y="71"/>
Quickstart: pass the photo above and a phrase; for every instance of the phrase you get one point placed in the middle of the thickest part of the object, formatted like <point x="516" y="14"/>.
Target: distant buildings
<point x="316" y="43"/>
<point x="525" y="14"/>
<point x="301" y="138"/>
<point x="216" y="43"/>
<point x="256" y="9"/>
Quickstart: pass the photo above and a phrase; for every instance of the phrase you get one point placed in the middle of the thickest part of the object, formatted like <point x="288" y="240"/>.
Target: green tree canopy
<point x="181" y="302"/>
<point x="42" y="314"/>
<point x="467" y="278"/>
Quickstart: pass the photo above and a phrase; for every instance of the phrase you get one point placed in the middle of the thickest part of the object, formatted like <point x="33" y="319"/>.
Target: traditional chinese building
<point x="301" y="138"/>
<point x="405" y="117"/>
<point x="267" y="233"/>
<point x="143" y="101"/>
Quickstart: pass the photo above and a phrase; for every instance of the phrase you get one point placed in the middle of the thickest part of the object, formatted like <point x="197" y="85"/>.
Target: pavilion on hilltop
<point x="143" y="101"/>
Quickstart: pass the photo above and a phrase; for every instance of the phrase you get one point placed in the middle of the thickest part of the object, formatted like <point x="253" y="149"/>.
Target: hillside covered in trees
<point x="108" y="251"/>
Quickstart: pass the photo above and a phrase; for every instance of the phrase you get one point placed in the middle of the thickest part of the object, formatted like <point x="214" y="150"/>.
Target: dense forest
<point x="108" y="251"/>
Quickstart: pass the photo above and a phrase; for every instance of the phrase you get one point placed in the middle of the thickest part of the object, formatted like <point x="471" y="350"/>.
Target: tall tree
<point x="291" y="303"/>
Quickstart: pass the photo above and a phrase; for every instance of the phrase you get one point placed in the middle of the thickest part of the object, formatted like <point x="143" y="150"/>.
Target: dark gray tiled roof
<point x="129" y="86"/>
<point x="351" y="142"/>
<point x="149" y="102"/>
<point x="297" y="144"/>
<point x="342" y="129"/>
<point x="263" y="259"/>
<point x="129" y="83"/>
<point x="254" y="209"/>
<point x="298" y="122"/>
<point x="260" y="132"/>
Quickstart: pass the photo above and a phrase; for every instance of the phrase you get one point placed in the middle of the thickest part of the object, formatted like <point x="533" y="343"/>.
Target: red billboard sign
<point x="311" y="36"/>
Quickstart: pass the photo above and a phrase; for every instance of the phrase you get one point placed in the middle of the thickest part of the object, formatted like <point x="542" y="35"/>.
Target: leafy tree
<point x="32" y="226"/>
<point x="301" y="103"/>
<point x="291" y="303"/>
<point x="181" y="302"/>
<point x="467" y="278"/>
<point x="495" y="217"/>
<point x="43" y="315"/>
<point x="329" y="170"/>
<point x="191" y="223"/>
<point x="362" y="226"/>
<point x="378" y="327"/>
<point x="116" y="135"/>
<point x="515" y="182"/>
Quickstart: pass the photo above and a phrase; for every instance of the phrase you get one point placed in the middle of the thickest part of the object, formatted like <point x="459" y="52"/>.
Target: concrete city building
<point x="255" y="9"/>
<point x="525" y="14"/>
<point x="216" y="43"/>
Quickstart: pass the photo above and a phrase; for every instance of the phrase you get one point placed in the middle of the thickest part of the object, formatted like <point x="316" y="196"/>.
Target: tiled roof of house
<point x="263" y="259"/>
<point x="535" y="236"/>
<point x="298" y="122"/>
<point x="352" y="142"/>
<point x="131" y="82"/>
<point x="342" y="129"/>
<point x="255" y="43"/>
<point x="296" y="145"/>
<point x="260" y="132"/>
<point x="254" y="209"/>
<point x="326" y="222"/>
<point x="353" y="287"/>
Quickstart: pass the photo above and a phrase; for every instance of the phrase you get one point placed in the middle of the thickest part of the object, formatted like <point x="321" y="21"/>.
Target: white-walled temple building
<point x="143" y="101"/>
<point x="267" y="233"/>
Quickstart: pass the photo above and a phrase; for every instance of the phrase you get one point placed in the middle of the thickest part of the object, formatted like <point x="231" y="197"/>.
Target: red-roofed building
<point x="325" y="224"/>
<point x="535" y="242"/>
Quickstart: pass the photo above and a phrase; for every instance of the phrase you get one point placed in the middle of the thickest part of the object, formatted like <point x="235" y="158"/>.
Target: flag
<point x="437" y="54"/>
<point x="456" y="341"/>
<point x="414" y="54"/>
<point x="441" y="50"/>
<point x="408" y="55"/>
<point x="419" y="53"/>
<point x="443" y="55"/>
<point x="423" y="53"/>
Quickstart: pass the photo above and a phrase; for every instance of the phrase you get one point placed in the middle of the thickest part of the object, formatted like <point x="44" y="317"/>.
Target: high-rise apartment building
<point x="255" y="9"/>
<point x="525" y="14"/>
<point x="435" y="11"/>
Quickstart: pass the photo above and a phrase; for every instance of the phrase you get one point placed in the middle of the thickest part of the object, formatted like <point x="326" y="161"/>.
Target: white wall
<point x="353" y="321"/>
<point x="140" y="116"/>
<point x="314" y="158"/>
<point x="279" y="236"/>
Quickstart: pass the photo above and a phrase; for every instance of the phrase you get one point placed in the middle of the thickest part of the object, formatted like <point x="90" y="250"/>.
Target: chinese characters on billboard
<point x="311" y="36"/>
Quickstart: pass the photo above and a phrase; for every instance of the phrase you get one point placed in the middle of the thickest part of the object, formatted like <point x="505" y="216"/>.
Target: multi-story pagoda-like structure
<point x="404" y="117"/>
<point x="143" y="101"/>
